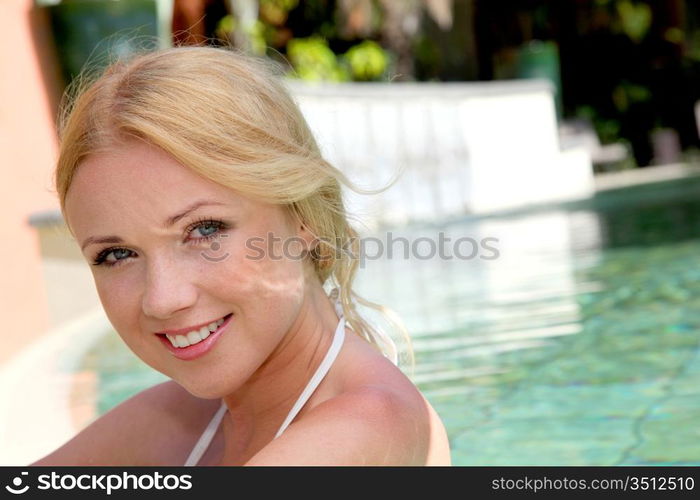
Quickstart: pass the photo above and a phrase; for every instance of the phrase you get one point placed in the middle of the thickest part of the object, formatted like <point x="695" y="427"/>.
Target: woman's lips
<point x="200" y="348"/>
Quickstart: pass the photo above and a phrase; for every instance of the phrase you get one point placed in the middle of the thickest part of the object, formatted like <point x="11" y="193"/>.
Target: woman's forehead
<point x="141" y="171"/>
<point x="139" y="180"/>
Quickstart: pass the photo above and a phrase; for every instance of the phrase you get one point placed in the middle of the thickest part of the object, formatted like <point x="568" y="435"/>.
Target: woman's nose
<point x="167" y="289"/>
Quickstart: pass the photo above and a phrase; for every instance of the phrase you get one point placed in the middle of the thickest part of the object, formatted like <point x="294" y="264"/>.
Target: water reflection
<point x="578" y="345"/>
<point x="524" y="291"/>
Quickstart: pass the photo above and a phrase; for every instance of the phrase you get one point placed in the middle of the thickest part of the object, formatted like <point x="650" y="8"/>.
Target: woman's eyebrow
<point x="92" y="240"/>
<point x="200" y="203"/>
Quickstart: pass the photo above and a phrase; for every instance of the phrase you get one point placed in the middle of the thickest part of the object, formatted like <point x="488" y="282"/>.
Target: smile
<point x="197" y="342"/>
<point x="195" y="336"/>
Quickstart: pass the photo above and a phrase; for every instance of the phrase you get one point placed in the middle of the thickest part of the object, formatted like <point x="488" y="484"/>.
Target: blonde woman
<point x="198" y="195"/>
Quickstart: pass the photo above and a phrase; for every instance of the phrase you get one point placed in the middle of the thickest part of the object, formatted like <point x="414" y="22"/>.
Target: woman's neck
<point x="257" y="409"/>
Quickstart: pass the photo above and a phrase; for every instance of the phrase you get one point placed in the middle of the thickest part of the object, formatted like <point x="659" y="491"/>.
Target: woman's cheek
<point x="117" y="284"/>
<point x="119" y="294"/>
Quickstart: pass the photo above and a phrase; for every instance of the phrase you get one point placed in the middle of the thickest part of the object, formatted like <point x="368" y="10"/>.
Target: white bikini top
<point x="205" y="439"/>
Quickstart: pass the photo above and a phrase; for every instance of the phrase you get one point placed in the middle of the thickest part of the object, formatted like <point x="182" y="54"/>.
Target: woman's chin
<point x="206" y="389"/>
<point x="201" y="392"/>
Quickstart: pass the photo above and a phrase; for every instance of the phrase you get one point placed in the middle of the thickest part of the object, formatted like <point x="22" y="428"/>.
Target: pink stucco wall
<point x="28" y="91"/>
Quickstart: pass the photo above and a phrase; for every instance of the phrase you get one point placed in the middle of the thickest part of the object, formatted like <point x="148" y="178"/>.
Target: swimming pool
<point x="578" y="345"/>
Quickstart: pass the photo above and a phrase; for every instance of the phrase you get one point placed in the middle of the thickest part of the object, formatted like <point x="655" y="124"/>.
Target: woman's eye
<point x="120" y="251"/>
<point x="206" y="229"/>
<point x="117" y="252"/>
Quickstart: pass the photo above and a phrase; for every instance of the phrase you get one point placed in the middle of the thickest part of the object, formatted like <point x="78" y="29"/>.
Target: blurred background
<point x="565" y="133"/>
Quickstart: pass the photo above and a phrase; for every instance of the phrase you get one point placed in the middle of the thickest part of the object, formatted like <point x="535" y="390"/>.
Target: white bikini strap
<point x="386" y="343"/>
<point x="208" y="434"/>
<point x="206" y="437"/>
<point x="317" y="377"/>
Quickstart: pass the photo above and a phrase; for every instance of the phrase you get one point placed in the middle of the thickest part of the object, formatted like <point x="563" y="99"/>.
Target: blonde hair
<point x="227" y="117"/>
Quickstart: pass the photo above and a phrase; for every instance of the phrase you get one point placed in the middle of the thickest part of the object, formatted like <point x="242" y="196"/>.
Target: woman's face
<point x="158" y="272"/>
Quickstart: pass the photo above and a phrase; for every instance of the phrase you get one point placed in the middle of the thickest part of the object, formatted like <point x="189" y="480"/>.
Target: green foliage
<point x="427" y="56"/>
<point x="635" y="18"/>
<point x="256" y="34"/>
<point x="367" y="60"/>
<point x="608" y="130"/>
<point x="626" y="94"/>
<point x="226" y="24"/>
<point x="313" y="60"/>
<point x="275" y="12"/>
<point x="281" y="4"/>
<point x="257" y="38"/>
<point x="316" y="54"/>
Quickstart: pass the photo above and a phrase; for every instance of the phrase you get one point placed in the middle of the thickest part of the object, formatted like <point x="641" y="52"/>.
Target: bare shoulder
<point x="377" y="417"/>
<point x="139" y="430"/>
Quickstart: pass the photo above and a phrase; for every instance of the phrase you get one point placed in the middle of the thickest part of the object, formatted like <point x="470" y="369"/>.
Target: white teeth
<point x="195" y="336"/>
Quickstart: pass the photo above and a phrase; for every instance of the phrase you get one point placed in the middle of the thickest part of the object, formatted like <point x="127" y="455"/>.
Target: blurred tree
<point x="324" y="27"/>
<point x="397" y="23"/>
<point x="446" y="48"/>
<point x="194" y="21"/>
<point x="313" y="60"/>
<point x="635" y="19"/>
<point x="367" y="61"/>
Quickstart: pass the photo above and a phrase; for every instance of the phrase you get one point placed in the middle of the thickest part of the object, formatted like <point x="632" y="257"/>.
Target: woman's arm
<point x="124" y="435"/>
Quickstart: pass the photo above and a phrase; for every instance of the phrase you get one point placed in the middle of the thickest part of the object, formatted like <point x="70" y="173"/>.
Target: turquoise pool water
<point x="578" y="345"/>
